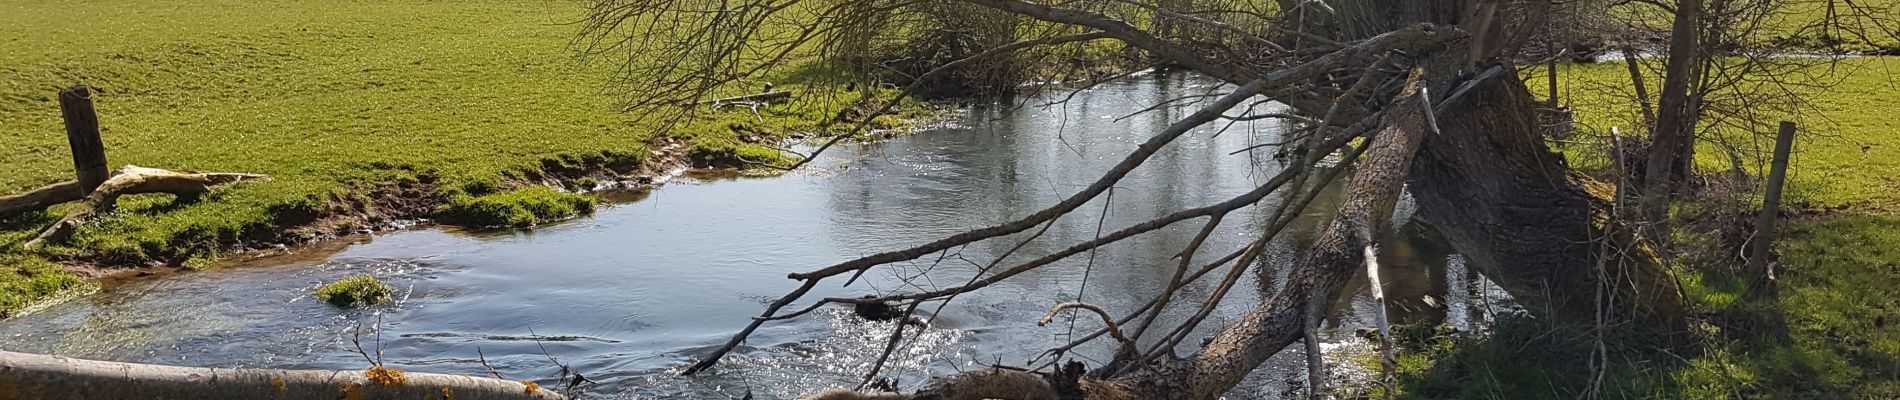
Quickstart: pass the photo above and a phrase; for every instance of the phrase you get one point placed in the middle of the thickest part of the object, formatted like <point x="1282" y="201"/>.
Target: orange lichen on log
<point x="386" y="376"/>
<point x="352" y="391"/>
<point x="531" y="386"/>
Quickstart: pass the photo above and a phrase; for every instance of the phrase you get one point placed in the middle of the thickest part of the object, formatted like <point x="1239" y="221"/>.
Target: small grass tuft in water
<point x="202" y="261"/>
<point x="517" y="208"/>
<point x="355" y="291"/>
<point x="587" y="183"/>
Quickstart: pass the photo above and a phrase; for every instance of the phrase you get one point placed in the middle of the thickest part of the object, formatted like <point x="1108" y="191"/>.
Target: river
<point x="633" y="293"/>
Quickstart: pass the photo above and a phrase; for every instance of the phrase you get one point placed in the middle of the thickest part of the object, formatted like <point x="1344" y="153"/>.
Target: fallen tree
<point x="129" y="180"/>
<point x="42" y="377"/>
<point x="1460" y="133"/>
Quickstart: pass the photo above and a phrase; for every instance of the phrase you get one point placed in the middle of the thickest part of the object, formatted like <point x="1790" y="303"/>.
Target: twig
<point x="544" y="352"/>
<point x="897" y="334"/>
<point x="1115" y="331"/>
<point x="1378" y="317"/>
<point x="1187" y="258"/>
<point x="379" y="339"/>
<point x="484" y="359"/>
<point x="357" y="339"/>
<point x="1315" y="364"/>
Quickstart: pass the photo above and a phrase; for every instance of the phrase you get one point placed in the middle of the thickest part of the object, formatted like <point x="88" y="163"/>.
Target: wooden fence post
<point x="1760" y="275"/>
<point x="82" y="133"/>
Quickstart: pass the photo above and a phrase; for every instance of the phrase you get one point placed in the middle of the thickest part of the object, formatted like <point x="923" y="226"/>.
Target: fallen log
<point x="43" y="377"/>
<point x="131" y="179"/>
<point x="766" y="97"/>
<point x="41" y="198"/>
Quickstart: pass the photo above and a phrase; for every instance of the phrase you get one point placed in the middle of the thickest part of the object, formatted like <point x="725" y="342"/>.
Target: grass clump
<point x="523" y="207"/>
<point x="25" y="279"/>
<point x="355" y="291"/>
<point x="733" y="154"/>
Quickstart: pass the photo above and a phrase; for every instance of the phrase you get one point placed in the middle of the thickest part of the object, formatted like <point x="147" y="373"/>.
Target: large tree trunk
<point x="1521" y="216"/>
<point x="1497" y="192"/>
<point x="1672" y="139"/>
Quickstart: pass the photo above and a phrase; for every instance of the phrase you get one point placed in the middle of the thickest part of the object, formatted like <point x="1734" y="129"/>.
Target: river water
<point x="633" y="293"/>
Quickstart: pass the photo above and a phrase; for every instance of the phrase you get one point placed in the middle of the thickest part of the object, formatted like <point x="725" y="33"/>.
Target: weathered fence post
<point x="82" y="133"/>
<point x="1760" y="275"/>
<point x="1550" y="69"/>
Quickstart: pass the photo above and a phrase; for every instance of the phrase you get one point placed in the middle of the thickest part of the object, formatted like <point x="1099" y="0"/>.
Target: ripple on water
<point x="844" y="350"/>
<point x="235" y="317"/>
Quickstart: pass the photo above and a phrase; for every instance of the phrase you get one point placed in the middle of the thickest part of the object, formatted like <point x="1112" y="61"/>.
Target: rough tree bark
<point x="1501" y="197"/>
<point x="1674" y="133"/>
<point x="1517" y="213"/>
<point x="43" y="377"/>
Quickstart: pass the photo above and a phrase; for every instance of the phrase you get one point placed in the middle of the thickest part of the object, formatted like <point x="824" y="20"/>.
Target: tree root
<point x="36" y="376"/>
<point x="131" y="179"/>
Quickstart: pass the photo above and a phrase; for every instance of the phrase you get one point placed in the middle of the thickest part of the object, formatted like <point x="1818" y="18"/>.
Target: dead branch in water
<point x="1239" y="348"/>
<point x="44" y="377"/>
<point x="1114" y="330"/>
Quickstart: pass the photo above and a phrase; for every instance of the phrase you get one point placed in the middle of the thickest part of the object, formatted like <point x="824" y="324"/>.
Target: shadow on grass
<point x="1749" y="349"/>
<point x="17" y="229"/>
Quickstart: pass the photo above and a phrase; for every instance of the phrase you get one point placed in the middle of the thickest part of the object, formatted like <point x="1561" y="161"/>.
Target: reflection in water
<point x="633" y="293"/>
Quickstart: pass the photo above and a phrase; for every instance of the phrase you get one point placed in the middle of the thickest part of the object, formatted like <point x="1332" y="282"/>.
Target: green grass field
<point x="326" y="96"/>
<point x="1847" y="153"/>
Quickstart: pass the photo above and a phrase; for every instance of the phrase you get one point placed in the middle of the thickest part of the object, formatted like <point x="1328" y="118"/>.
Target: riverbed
<point x="632" y="294"/>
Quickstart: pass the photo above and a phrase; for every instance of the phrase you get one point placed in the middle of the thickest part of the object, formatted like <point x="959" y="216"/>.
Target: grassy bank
<point x="365" y="107"/>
